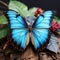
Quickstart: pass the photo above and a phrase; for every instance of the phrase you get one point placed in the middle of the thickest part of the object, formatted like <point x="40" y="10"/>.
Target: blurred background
<point x="44" y="4"/>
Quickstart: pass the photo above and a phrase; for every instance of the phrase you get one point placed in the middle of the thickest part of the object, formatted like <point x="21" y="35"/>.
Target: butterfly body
<point x="24" y="29"/>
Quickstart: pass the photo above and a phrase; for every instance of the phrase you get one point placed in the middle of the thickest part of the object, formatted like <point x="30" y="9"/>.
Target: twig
<point x="53" y="56"/>
<point x="4" y="3"/>
<point x="7" y="43"/>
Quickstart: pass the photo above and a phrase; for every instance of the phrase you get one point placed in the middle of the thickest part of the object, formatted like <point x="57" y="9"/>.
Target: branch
<point x="4" y="3"/>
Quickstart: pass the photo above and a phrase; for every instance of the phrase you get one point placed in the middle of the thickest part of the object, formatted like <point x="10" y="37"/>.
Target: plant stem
<point x="4" y="3"/>
<point x="8" y="42"/>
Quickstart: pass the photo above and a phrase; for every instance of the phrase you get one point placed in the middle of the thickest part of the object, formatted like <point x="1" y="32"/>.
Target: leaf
<point x="56" y="19"/>
<point x="3" y="32"/>
<point x="3" y="20"/>
<point x="12" y="0"/>
<point x="32" y="11"/>
<point x="19" y="7"/>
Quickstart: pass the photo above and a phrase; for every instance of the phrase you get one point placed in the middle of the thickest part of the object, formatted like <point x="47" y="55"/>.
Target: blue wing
<point x="18" y="27"/>
<point x="41" y="29"/>
<point x="44" y="20"/>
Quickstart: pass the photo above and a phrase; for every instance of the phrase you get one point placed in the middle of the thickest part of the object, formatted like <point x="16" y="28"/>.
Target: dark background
<point x="44" y="4"/>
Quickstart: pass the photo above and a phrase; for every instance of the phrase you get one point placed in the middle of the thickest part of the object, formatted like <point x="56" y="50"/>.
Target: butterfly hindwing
<point x="41" y="29"/>
<point x="19" y="28"/>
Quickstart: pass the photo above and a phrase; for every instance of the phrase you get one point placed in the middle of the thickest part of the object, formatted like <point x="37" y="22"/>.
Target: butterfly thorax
<point x="29" y="28"/>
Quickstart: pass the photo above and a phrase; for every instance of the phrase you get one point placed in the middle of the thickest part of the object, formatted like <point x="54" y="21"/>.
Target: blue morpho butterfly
<point x="23" y="32"/>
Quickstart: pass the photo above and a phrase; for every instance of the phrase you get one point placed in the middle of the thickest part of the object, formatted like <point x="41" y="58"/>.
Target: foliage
<point x="56" y="19"/>
<point x="21" y="8"/>
<point x="3" y="32"/>
<point x="3" y="20"/>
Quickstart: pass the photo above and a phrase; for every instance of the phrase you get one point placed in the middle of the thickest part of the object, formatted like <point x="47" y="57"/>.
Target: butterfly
<point x="36" y="33"/>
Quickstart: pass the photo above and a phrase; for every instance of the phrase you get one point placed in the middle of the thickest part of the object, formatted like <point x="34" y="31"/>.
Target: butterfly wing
<point x="19" y="29"/>
<point x="41" y="29"/>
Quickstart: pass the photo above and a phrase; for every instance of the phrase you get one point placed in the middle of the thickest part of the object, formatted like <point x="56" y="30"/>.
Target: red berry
<point x="55" y="26"/>
<point x="39" y="10"/>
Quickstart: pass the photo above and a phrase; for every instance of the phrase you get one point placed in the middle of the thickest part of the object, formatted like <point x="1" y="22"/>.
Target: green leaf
<point x="32" y="11"/>
<point x="4" y="32"/>
<point x="12" y="0"/>
<point x="3" y="20"/>
<point x="19" y="7"/>
<point x="56" y="19"/>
